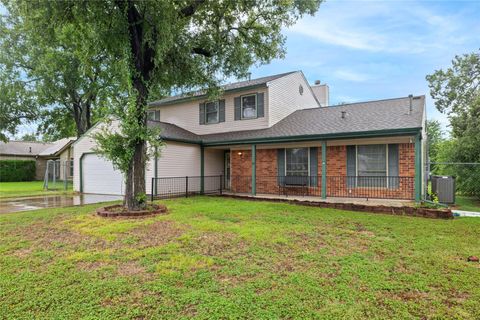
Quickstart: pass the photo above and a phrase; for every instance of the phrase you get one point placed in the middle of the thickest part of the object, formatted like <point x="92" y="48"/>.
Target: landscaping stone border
<point x="401" y="211"/>
<point x="107" y="213"/>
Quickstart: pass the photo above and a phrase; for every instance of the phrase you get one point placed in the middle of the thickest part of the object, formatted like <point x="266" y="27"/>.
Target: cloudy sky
<point x="366" y="50"/>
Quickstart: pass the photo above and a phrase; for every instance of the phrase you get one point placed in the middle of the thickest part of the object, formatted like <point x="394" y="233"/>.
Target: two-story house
<point x="278" y="135"/>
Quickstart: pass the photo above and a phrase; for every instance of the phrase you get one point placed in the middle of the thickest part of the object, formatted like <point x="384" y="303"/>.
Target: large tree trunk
<point x="129" y="197"/>
<point x="143" y="65"/>
<point x="140" y="153"/>
<point x="81" y="115"/>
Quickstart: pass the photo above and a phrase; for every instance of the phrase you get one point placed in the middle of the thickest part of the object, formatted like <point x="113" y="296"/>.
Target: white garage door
<point x="99" y="176"/>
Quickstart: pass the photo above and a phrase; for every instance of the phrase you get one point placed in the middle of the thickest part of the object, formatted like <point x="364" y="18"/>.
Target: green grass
<point x="217" y="258"/>
<point x="467" y="203"/>
<point x="29" y="188"/>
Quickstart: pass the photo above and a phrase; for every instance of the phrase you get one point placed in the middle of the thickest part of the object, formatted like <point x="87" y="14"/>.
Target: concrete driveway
<point x="41" y="202"/>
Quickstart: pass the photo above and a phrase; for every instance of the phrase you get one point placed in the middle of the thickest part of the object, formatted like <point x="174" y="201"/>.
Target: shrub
<point x="17" y="170"/>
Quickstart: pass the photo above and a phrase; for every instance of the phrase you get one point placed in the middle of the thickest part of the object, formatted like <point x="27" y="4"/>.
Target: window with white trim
<point x="249" y="106"/>
<point x="296" y="162"/>
<point x="153" y="115"/>
<point x="211" y="112"/>
<point x="372" y="160"/>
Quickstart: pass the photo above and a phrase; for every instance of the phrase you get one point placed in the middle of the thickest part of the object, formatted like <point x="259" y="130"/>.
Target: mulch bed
<point x="404" y="210"/>
<point x="119" y="211"/>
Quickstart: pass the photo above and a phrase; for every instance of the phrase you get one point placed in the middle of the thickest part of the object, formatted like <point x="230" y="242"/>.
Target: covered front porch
<point x="366" y="169"/>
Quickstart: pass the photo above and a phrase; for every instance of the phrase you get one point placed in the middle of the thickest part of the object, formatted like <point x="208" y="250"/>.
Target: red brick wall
<point x="266" y="172"/>
<point x="241" y="170"/>
<point x="337" y="167"/>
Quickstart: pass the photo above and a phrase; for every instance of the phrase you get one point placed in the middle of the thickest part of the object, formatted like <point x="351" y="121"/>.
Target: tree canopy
<point x="49" y="73"/>
<point x="160" y="46"/>
<point x="456" y="91"/>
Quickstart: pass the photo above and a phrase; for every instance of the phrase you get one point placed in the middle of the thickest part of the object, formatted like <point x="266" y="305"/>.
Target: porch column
<point x="254" y="169"/>
<point x="418" y="167"/>
<point x="324" y="169"/>
<point x="202" y="169"/>
<point x="155" y="171"/>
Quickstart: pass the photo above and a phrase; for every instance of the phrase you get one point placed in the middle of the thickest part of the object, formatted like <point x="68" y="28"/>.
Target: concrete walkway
<point x="461" y="213"/>
<point x="42" y="202"/>
<point x="360" y="201"/>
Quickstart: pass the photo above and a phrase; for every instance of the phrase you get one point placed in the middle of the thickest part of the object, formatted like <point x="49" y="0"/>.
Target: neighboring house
<point x="275" y="133"/>
<point x="25" y="150"/>
<point x="40" y="152"/>
<point x="61" y="150"/>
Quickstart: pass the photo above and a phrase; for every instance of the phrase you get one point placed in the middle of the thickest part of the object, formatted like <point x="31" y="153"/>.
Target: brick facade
<point x="241" y="168"/>
<point x="266" y="172"/>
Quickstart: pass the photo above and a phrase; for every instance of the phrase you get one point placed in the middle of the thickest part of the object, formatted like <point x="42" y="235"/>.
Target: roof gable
<point x="231" y="87"/>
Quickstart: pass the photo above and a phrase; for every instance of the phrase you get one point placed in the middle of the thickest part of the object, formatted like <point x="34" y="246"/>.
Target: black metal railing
<point x="391" y="187"/>
<point x="173" y="187"/>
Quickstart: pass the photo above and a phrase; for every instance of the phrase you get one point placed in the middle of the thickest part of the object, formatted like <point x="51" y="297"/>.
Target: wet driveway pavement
<point x="41" y="202"/>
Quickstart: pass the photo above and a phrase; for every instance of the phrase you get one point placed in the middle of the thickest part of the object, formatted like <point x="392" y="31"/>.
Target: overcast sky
<point x="367" y="50"/>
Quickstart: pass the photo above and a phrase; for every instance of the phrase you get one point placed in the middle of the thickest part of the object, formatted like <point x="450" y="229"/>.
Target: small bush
<point x="17" y="170"/>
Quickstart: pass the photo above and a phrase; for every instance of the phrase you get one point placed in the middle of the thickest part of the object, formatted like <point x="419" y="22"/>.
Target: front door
<point x="227" y="170"/>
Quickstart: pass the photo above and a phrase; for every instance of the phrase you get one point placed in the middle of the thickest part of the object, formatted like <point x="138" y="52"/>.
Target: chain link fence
<point x="58" y="175"/>
<point x="467" y="182"/>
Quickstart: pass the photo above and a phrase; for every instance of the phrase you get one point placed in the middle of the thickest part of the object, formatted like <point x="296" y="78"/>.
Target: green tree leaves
<point x="457" y="93"/>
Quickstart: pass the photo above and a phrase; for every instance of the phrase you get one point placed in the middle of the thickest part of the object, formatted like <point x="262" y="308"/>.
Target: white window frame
<point x="217" y="104"/>
<point x="308" y="159"/>
<point x="153" y="111"/>
<point x="356" y="164"/>
<point x="241" y="107"/>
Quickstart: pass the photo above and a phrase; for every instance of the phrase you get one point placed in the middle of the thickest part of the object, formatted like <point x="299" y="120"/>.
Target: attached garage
<point x="99" y="176"/>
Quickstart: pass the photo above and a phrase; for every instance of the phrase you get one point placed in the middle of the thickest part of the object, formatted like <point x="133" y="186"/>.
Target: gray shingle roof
<point x="23" y="148"/>
<point x="360" y="117"/>
<point x="57" y="146"/>
<point x="174" y="132"/>
<point x="226" y="88"/>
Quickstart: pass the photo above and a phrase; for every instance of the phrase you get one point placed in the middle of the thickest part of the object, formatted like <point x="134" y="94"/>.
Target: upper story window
<point x="249" y="106"/>
<point x="153" y="115"/>
<point x="211" y="112"/>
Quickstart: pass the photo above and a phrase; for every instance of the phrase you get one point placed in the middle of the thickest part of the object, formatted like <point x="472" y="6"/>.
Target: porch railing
<point x="174" y="187"/>
<point x="392" y="187"/>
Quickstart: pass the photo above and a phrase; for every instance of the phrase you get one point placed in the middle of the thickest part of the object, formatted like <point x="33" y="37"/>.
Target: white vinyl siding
<point x="214" y="165"/>
<point x="284" y="97"/>
<point x="185" y="115"/>
<point x="86" y="144"/>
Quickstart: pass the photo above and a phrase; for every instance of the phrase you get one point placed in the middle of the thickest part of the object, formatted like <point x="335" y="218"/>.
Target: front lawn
<point x="30" y="188"/>
<point x="218" y="258"/>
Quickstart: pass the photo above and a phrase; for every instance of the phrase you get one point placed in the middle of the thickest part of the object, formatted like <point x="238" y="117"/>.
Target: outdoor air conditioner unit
<point x="444" y="188"/>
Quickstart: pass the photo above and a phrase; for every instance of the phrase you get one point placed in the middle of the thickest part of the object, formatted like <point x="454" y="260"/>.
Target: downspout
<point x="418" y="168"/>
<point x="155" y="171"/>
<point x="202" y="169"/>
